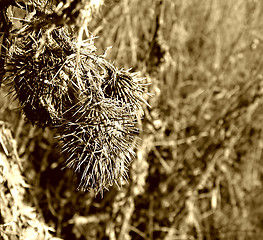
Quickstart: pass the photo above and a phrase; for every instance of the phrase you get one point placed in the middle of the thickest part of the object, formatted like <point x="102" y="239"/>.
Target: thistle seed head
<point x="93" y="106"/>
<point x="39" y="75"/>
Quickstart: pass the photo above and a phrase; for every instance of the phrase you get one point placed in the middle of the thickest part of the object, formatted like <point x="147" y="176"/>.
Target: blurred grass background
<point x="198" y="173"/>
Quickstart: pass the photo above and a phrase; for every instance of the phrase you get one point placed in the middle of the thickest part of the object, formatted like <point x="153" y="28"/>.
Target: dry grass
<point x="198" y="171"/>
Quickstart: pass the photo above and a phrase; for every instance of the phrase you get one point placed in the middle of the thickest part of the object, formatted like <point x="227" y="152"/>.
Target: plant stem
<point x="5" y="26"/>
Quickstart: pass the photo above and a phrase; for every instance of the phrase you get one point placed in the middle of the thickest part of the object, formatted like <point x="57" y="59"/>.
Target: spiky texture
<point x="99" y="144"/>
<point x="99" y="129"/>
<point x="93" y="106"/>
<point x="40" y="75"/>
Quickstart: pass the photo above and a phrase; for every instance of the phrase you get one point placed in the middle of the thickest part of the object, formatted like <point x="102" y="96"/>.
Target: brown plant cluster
<point x="62" y="84"/>
<point x="197" y="171"/>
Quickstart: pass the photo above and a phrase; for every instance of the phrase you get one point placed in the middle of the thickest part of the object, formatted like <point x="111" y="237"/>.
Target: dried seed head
<point x="93" y="106"/>
<point x="99" y="143"/>
<point x="39" y="75"/>
<point x="98" y="132"/>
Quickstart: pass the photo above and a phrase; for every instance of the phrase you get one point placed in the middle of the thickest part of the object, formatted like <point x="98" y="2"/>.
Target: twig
<point x="4" y="31"/>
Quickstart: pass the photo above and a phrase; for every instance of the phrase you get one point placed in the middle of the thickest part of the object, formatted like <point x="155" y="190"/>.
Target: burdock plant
<point x="61" y="83"/>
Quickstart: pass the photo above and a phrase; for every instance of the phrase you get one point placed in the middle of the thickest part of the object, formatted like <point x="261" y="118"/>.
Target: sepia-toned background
<point x="198" y="170"/>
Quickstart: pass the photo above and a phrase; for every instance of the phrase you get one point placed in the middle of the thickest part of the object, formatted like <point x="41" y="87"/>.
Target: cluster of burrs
<point x="93" y="106"/>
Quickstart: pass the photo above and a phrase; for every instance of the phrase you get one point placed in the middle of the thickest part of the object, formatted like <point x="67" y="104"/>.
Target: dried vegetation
<point x="198" y="167"/>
